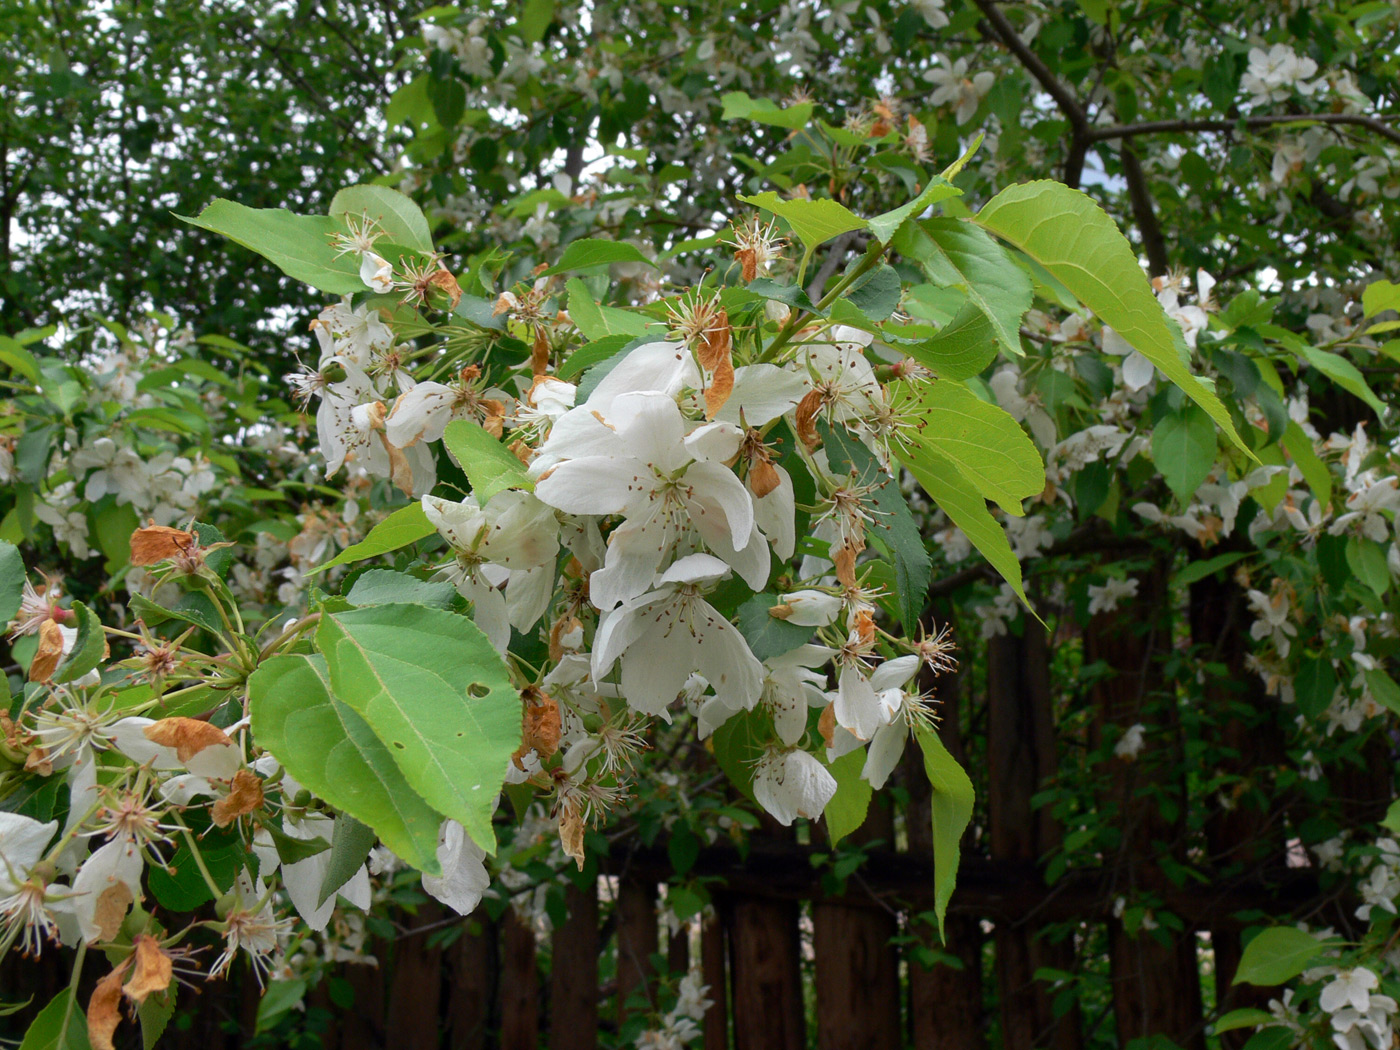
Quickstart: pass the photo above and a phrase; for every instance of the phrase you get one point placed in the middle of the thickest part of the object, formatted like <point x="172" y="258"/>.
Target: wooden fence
<point x="779" y="940"/>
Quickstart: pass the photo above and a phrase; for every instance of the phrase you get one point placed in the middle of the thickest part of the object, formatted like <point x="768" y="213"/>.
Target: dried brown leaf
<point x="245" y="795"/>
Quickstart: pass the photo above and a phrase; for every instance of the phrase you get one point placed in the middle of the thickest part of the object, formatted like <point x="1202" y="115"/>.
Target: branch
<point x="1143" y="211"/>
<point x="1162" y="127"/>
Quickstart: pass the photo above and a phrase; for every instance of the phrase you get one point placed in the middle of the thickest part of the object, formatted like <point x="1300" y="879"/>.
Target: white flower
<point x="1349" y="988"/>
<point x="1137" y="369"/>
<point x="377" y="273"/>
<point x="932" y="10"/>
<point x="664" y="482"/>
<point x="956" y="88"/>
<point x="1275" y="74"/>
<point x="1130" y="743"/>
<point x="664" y="635"/>
<point x="1105" y="597"/>
<point x="792" y="784"/>
<point x="110" y="880"/>
<point x="810" y="608"/>
<point x="510" y="542"/>
<point x="464" y="878"/>
<point x="1028" y="409"/>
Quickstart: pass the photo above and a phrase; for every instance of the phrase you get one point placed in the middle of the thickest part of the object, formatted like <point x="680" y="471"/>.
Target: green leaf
<point x="89" y="647"/>
<point x="597" y="322"/>
<point x="400" y="219"/>
<point x="767" y="635"/>
<point x="1345" y="374"/>
<point x="290" y="850"/>
<point x="12" y="579"/>
<point x="738" y="106"/>
<point x="45" y="1028"/>
<point x="1072" y="237"/>
<point x="328" y="747"/>
<point x="959" y="499"/>
<point x="1314" y="686"/>
<point x="957" y="254"/>
<point x="788" y="294"/>
<point x="986" y="444"/>
<point x="846" y="810"/>
<point x="351" y="842"/>
<point x="590" y="354"/>
<point x="535" y="19"/>
<point x="182" y="888"/>
<point x="1315" y="472"/>
<point x="1380" y="296"/>
<point x="298" y="245"/>
<point x="739" y="744"/>
<point x="388" y="587"/>
<point x="1391" y="821"/>
<point x="1247" y="1017"/>
<point x="193" y="607"/>
<point x="590" y="252"/>
<point x="952" y="810"/>
<point x="877" y="294"/>
<point x="155" y="1013"/>
<point x="488" y="464"/>
<point x="404" y="526"/>
<point x="1183" y="449"/>
<point x="893" y="523"/>
<point x="962" y="348"/>
<point x="1199" y="570"/>
<point x="1384" y="689"/>
<point x="1275" y="1037"/>
<point x="1278" y="954"/>
<point x="887" y="226"/>
<point x="434" y="690"/>
<point x="814" y="221"/>
<point x="1366" y="559"/>
<point x="280" y="998"/>
<point x="19" y="360"/>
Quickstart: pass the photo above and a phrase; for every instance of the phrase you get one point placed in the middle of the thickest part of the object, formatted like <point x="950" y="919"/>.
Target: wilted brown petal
<point x="721" y="386"/>
<point x="444" y="282"/>
<point x="748" y="259"/>
<point x="188" y="736"/>
<point x="826" y="725"/>
<point x="49" y="654"/>
<point x="715" y="343"/>
<point x="571" y="834"/>
<point x="245" y="795"/>
<point x="807" y="410"/>
<point x="540" y="728"/>
<point x="104" y="1008"/>
<point x="763" y="478"/>
<point x="845" y="559"/>
<point x="110" y="910"/>
<point x="154" y="970"/>
<point x="539" y="353"/>
<point x="156" y="543"/>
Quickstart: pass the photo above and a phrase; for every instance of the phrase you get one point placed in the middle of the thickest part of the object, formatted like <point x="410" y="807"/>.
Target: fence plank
<point x="520" y="986"/>
<point x="573" y="981"/>
<point x="767" y="975"/>
<point x="857" y="968"/>
<point x="471" y="976"/>
<point x="945" y="1002"/>
<point x="1156" y="982"/>
<point x="712" y="966"/>
<point x="636" y="940"/>
<point x="415" y="988"/>
<point x="1021" y="756"/>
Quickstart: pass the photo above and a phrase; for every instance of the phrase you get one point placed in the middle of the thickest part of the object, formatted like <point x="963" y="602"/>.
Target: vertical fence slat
<point x="636" y="940"/>
<point x="712" y="967"/>
<point x="857" y="979"/>
<point x="416" y="985"/>
<point x="766" y="973"/>
<point x="471" y="984"/>
<point x="1156" y="982"/>
<point x="362" y="1027"/>
<point x="945" y="1003"/>
<point x="1020" y="757"/>
<point x="520" y="986"/>
<point x="573" y="981"/>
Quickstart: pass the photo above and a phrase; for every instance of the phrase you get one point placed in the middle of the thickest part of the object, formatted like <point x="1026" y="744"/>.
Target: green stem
<point x="198" y="858"/>
<point x="798" y="318"/>
<point x="72" y="994"/>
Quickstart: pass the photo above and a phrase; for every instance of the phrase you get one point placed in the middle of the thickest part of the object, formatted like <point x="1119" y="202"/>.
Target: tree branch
<point x="1163" y="127"/>
<point x="1143" y="211"/>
